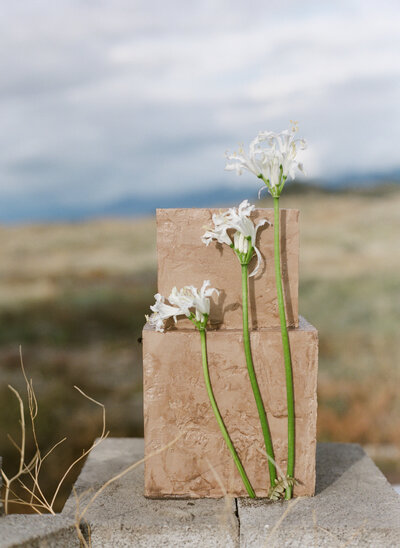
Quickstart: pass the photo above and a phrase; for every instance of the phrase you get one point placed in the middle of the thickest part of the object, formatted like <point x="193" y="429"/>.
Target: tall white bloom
<point x="242" y="232"/>
<point x="284" y="148"/>
<point x="238" y="161"/>
<point x="188" y="301"/>
<point x="272" y="157"/>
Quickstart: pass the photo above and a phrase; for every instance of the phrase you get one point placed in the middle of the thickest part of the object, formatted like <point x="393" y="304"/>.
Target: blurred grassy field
<point x="74" y="296"/>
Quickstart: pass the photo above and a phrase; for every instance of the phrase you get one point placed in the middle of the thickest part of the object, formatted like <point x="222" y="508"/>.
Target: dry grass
<point x="348" y="235"/>
<point x="38" y="261"/>
<point x="24" y="488"/>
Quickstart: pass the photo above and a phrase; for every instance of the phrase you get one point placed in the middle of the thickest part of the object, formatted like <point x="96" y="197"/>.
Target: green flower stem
<point x="220" y="421"/>
<point x="253" y="379"/>
<point x="286" y="349"/>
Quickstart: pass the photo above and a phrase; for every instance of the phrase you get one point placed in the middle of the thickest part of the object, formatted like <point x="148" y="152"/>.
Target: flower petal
<point x="259" y="262"/>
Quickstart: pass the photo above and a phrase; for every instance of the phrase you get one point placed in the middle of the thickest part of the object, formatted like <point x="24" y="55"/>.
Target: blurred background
<point x="109" y="110"/>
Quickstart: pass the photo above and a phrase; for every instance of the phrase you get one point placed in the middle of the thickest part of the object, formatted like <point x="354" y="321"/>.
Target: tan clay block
<point x="184" y="260"/>
<point x="176" y="403"/>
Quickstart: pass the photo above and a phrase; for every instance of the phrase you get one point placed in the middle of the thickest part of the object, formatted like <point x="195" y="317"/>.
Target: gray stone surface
<point x="122" y="516"/>
<point x="354" y="506"/>
<point x="32" y="531"/>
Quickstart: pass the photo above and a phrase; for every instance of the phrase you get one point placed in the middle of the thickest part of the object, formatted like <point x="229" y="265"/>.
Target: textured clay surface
<point x="184" y="260"/>
<point x="176" y="403"/>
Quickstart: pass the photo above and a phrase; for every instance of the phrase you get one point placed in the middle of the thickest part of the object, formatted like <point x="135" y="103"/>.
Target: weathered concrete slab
<point x="354" y="506"/>
<point x="176" y="402"/>
<point x="33" y="531"/>
<point x="122" y="516"/>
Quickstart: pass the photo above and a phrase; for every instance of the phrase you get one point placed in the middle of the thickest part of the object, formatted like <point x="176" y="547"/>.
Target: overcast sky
<point x="102" y="99"/>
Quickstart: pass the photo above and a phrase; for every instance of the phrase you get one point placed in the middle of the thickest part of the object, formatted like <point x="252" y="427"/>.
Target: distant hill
<point x="125" y="206"/>
<point x="222" y="196"/>
<point x="51" y="210"/>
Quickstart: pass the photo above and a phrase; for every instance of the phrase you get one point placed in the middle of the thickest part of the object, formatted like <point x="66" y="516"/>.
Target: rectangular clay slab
<point x="184" y="260"/>
<point x="176" y="403"/>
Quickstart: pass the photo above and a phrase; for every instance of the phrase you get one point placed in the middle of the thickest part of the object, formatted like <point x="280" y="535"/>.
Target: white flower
<point x="188" y="301"/>
<point x="219" y="232"/>
<point x="189" y="297"/>
<point x="283" y="147"/>
<point x="162" y="312"/>
<point x="272" y="157"/>
<point x="272" y="171"/>
<point x="240" y="160"/>
<point x="244" y="237"/>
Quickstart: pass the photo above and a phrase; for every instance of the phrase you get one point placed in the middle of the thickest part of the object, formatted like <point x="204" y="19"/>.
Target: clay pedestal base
<point x="175" y="402"/>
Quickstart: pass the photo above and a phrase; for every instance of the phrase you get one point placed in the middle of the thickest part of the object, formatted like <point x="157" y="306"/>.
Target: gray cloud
<point x="101" y="99"/>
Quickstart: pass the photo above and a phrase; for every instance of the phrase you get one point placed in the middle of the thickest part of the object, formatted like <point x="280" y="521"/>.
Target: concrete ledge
<point x="122" y="516"/>
<point x="354" y="506"/>
<point x="33" y="531"/>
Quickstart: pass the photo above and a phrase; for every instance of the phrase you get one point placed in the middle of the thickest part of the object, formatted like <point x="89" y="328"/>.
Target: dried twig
<point x="21" y="448"/>
<point x="103" y="436"/>
<point x="126" y="471"/>
<point x="228" y="498"/>
<point x="290" y="507"/>
<point x="36" y="500"/>
<point x="80" y="514"/>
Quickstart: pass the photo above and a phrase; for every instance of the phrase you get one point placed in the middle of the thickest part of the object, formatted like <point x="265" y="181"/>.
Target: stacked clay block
<point x="176" y="405"/>
<point x="184" y="260"/>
